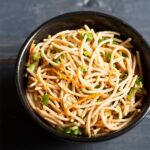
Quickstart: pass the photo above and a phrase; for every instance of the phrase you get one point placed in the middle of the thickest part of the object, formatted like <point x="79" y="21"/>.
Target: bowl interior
<point x="98" y="22"/>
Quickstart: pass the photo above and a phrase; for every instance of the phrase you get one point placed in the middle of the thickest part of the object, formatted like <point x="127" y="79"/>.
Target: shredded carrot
<point x="55" y="108"/>
<point x="30" y="51"/>
<point x="84" y="99"/>
<point x="32" y="46"/>
<point x="66" y="77"/>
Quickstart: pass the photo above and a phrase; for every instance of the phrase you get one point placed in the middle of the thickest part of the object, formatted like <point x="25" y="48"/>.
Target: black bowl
<point x="75" y="20"/>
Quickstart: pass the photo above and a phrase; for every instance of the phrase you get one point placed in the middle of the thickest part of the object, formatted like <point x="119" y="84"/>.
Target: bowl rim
<point x="36" y="117"/>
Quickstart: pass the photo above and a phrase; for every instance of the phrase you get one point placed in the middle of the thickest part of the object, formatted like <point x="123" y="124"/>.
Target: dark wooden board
<point x="17" y="20"/>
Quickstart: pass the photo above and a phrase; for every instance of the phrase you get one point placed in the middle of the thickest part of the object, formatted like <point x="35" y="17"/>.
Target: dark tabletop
<point x="17" y="19"/>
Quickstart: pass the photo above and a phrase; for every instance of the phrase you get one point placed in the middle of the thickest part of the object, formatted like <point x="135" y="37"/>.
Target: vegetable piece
<point x="101" y="53"/>
<point x="136" y="88"/>
<point x="36" y="56"/>
<point x="115" y="42"/>
<point x="45" y="99"/>
<point x="138" y="80"/>
<point x="69" y="86"/>
<point x="139" y="91"/>
<point x="83" y="69"/>
<point x="57" y="61"/>
<point x="62" y="56"/>
<point x="139" y="85"/>
<point x="132" y="93"/>
<point x="67" y="130"/>
<point x="101" y="40"/>
<point x="70" y="46"/>
<point x="74" y="127"/>
<point x="108" y="56"/>
<point x="88" y="34"/>
<point x="73" y="131"/>
<point x="86" y="53"/>
<point x="98" y="100"/>
<point x="31" y="67"/>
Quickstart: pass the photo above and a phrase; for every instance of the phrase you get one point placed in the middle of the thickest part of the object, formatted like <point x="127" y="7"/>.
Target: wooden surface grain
<point x="18" y="19"/>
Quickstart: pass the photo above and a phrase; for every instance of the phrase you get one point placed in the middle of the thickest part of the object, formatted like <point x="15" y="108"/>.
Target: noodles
<point x="84" y="82"/>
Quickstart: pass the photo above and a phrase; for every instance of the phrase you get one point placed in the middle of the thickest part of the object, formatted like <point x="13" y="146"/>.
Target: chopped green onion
<point x="139" y="85"/>
<point x="97" y="100"/>
<point x="69" y="46"/>
<point x="83" y="69"/>
<point x="45" y="99"/>
<point x="88" y="34"/>
<point x="31" y="67"/>
<point x="57" y="61"/>
<point x="36" y="56"/>
<point x="73" y="131"/>
<point x="136" y="88"/>
<point x="62" y="56"/>
<point x="101" y="40"/>
<point x="107" y="56"/>
<point x="138" y="80"/>
<point x="69" y="85"/>
<point x="86" y="53"/>
<point x="74" y="127"/>
<point x="115" y="42"/>
<point x="67" y="130"/>
<point x="132" y="93"/>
